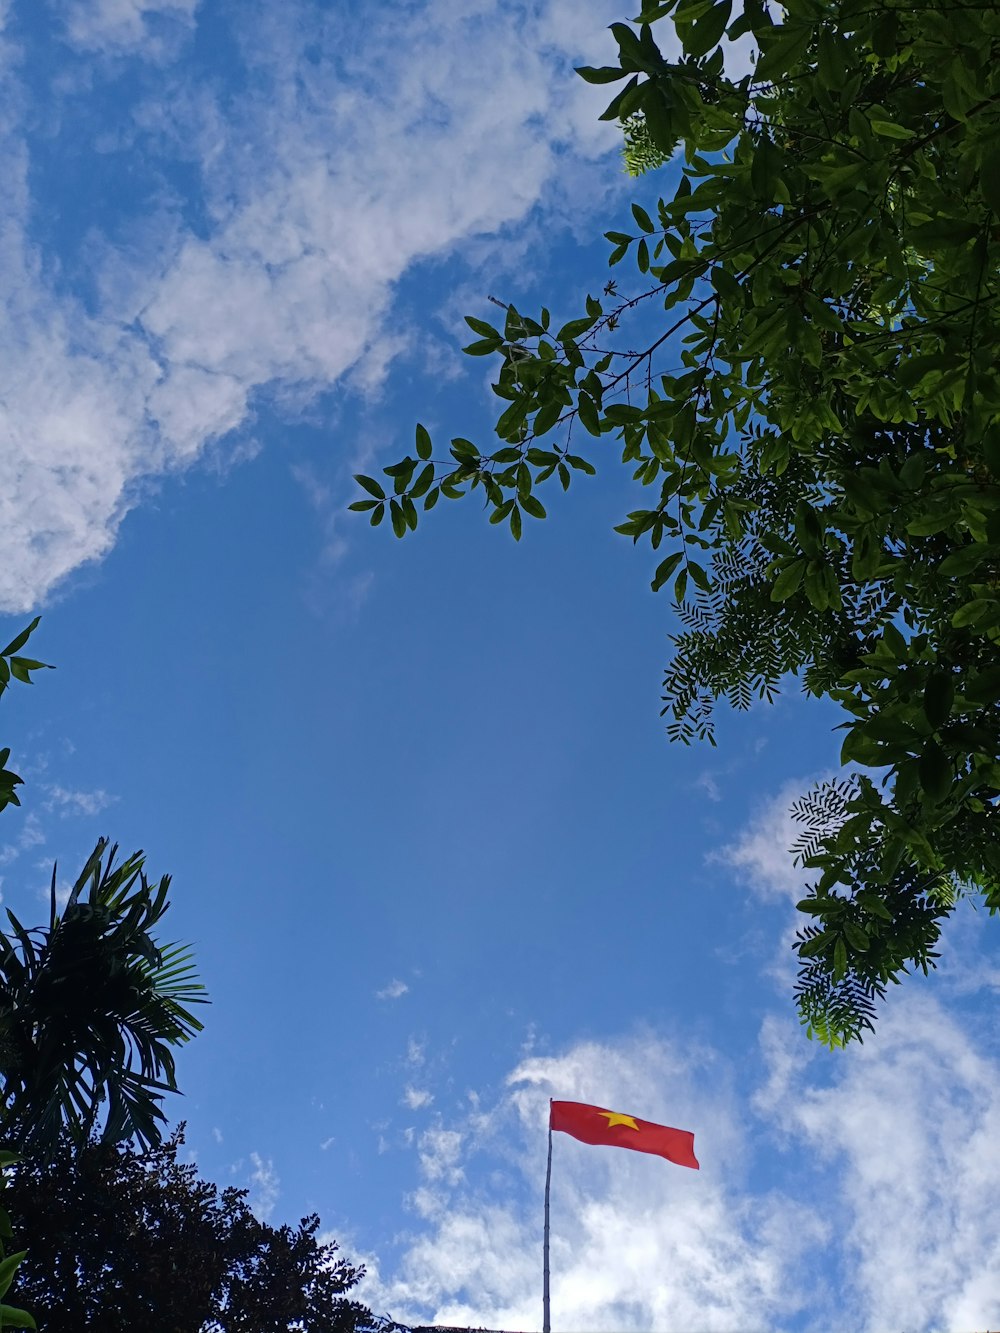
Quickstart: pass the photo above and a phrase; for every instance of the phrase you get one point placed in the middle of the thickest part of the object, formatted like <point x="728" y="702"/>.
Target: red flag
<point x="593" y="1124"/>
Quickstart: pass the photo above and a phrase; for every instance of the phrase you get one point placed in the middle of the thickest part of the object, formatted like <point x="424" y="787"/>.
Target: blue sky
<point x="437" y="857"/>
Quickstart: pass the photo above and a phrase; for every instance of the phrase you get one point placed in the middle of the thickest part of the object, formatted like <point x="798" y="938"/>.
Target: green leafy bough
<point x="815" y="425"/>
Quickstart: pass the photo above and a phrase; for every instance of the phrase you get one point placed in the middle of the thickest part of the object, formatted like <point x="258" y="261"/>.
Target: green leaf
<point x="857" y="937"/>
<point x="699" y="575"/>
<point x="967" y="558"/>
<point x="370" y="485"/>
<point x="10" y="1317"/>
<point x="581" y="465"/>
<point x="531" y="505"/>
<point x="874" y="905"/>
<point x="884" y="33"/>
<point x="642" y="217"/>
<point x="423" y="482"/>
<point x="8" y="1267"/>
<point x="890" y="130"/>
<point x="984" y="687"/>
<point x="22" y="638"/>
<point x="939" y="694"/>
<point x="588" y="415"/>
<point x="515" y="523"/>
<point x="707" y="31"/>
<point x="818" y="944"/>
<point x="20" y="666"/>
<point x="839" y="959"/>
<point x="605" y="74"/>
<point x="665" y="569"/>
<point x="978" y="612"/>
<point x="788" y="581"/>
<point x="424" y="448"/>
<point x="485" y="331"/>
<point x="935" y="771"/>
<point x="726" y="285"/>
<point x="399" y="524"/>
<point x="785" y="46"/>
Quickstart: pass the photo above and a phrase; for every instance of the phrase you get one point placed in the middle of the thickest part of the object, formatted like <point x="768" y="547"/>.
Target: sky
<point x="436" y="856"/>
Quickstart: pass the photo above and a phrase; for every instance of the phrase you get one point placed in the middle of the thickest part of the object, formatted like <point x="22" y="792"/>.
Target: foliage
<point x="815" y="423"/>
<point x="90" y="1007"/>
<point x="123" y="1241"/>
<point x="15" y="667"/>
<point x="12" y="666"/>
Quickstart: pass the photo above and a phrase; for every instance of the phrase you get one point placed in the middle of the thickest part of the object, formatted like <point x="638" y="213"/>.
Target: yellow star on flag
<point x="614" y="1118"/>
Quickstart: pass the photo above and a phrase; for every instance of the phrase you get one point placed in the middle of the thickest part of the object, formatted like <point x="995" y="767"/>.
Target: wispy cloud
<point x="393" y="991"/>
<point x="114" y="27"/>
<point x="761" y="851"/>
<point x="907" y="1164"/>
<point x="264" y="1187"/>
<point x="31" y="835"/>
<point x="417" y="1098"/>
<point x="69" y="802"/>
<point x="348" y="158"/>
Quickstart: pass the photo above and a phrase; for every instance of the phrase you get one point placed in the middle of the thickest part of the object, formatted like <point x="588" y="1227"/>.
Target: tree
<point x="124" y="1241"/>
<point x="90" y="1007"/>
<point x="816" y="424"/>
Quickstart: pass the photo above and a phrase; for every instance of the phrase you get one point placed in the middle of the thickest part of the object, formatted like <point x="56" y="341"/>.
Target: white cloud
<point x="78" y="802"/>
<point x="762" y="850"/>
<point x="907" y="1132"/>
<point x="264" y="1187"/>
<point x="417" y="1098"/>
<point x="120" y="26"/>
<point x="440" y="1152"/>
<point x="30" y="836"/>
<point x="637" y="1244"/>
<point x="324" y="183"/>
<point x="887" y="1222"/>
<point x="393" y="991"/>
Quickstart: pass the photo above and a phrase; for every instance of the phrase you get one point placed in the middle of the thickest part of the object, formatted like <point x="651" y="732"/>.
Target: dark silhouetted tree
<point x="122" y="1241"/>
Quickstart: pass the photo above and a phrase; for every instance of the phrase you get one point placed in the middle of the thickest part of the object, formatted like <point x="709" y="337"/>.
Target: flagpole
<point x="546" y="1319"/>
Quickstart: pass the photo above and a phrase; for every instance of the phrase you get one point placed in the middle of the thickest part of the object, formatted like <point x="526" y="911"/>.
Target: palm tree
<point x="90" y="1009"/>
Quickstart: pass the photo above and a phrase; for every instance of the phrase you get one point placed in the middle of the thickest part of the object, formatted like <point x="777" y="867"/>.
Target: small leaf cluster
<point x="15" y="667"/>
<point x="813" y="427"/>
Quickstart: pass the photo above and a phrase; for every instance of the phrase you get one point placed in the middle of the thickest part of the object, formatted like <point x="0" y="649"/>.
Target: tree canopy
<point x="121" y="1240"/>
<point x="91" y="1008"/>
<point x="812" y="428"/>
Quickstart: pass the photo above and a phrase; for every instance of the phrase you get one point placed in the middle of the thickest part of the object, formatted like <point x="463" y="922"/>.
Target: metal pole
<point x="546" y="1319"/>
